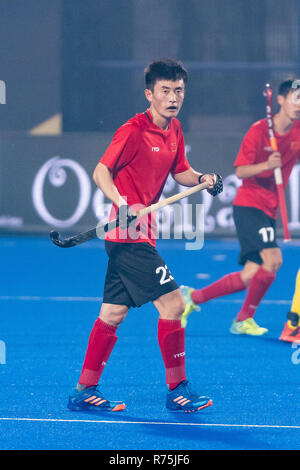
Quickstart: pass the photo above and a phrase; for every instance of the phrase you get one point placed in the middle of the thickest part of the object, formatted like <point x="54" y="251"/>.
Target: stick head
<point x="54" y="236"/>
<point x="71" y="241"/>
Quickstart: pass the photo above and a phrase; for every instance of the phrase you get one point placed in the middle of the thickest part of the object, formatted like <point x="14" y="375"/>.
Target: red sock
<point x="172" y="345"/>
<point x="101" y="342"/>
<point x="258" y="287"/>
<point x="228" y="284"/>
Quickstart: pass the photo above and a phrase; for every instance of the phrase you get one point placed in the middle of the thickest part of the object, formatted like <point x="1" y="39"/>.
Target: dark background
<point x="82" y="62"/>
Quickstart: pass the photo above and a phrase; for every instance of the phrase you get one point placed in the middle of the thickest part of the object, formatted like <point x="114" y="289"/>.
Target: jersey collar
<point x="149" y="116"/>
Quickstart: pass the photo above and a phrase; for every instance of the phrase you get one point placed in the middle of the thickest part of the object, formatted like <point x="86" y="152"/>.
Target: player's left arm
<point x="191" y="177"/>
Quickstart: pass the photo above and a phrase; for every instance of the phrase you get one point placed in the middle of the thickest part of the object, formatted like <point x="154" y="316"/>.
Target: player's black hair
<point x="164" y="69"/>
<point x="287" y="85"/>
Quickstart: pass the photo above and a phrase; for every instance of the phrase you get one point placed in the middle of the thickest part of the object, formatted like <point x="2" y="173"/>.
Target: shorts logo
<point x="155" y="149"/>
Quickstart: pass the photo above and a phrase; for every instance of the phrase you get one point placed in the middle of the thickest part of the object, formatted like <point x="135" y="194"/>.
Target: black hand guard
<point x="218" y="187"/>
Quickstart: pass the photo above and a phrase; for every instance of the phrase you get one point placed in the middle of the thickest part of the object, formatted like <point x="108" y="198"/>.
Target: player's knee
<point x="170" y="306"/>
<point x="176" y="309"/>
<point x="273" y="266"/>
<point x="180" y="308"/>
<point x="278" y="265"/>
<point x="113" y="315"/>
<point x="272" y="259"/>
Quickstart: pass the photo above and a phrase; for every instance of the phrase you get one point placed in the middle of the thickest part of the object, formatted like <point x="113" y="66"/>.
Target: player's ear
<point x="280" y="100"/>
<point x="148" y="94"/>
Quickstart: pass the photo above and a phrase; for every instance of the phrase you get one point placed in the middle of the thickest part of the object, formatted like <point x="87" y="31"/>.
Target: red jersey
<point x="141" y="156"/>
<point x="260" y="191"/>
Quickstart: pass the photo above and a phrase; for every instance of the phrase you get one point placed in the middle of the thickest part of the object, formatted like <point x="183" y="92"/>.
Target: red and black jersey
<point x="140" y="157"/>
<point x="260" y="191"/>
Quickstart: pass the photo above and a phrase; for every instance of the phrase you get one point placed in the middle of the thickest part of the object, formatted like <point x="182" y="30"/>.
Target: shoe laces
<point x="188" y="390"/>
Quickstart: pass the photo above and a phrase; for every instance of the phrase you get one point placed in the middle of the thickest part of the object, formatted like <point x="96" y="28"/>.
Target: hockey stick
<point x="277" y="171"/>
<point x="100" y="230"/>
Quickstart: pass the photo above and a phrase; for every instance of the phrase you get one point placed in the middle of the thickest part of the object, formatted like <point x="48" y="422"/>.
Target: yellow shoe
<point x="189" y="304"/>
<point x="247" y="327"/>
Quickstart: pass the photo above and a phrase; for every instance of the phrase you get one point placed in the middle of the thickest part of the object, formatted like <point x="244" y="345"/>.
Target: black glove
<point x="125" y="216"/>
<point x="218" y="187"/>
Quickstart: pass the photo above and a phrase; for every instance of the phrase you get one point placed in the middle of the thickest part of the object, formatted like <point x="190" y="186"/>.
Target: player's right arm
<point x="246" y="171"/>
<point x="118" y="154"/>
<point x="103" y="179"/>
<point x="247" y="163"/>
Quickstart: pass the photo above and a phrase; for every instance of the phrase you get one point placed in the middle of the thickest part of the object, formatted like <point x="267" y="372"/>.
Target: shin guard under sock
<point x="101" y="342"/>
<point x="258" y="287"/>
<point x="171" y="339"/>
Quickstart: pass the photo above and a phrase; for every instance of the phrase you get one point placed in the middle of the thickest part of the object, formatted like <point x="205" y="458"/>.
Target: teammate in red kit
<point x="255" y="211"/>
<point x="132" y="172"/>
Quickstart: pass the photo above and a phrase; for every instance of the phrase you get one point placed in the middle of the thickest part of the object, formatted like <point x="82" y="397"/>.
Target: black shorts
<point x="255" y="230"/>
<point x="136" y="274"/>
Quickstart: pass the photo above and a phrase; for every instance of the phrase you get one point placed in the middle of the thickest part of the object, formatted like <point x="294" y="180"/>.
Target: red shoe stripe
<point x="205" y="406"/>
<point x="120" y="407"/>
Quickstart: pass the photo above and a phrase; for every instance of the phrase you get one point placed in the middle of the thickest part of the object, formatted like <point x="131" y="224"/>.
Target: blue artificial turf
<point x="49" y="300"/>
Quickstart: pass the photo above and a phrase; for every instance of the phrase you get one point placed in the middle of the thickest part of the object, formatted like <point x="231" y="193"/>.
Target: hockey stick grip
<point x="172" y="199"/>
<point x="283" y="211"/>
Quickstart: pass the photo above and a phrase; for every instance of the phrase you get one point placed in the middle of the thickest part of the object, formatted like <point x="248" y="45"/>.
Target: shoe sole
<point x="182" y="410"/>
<point x="249" y="334"/>
<point x="291" y="336"/>
<point x="94" y="409"/>
<point x="233" y="332"/>
<point x="289" y="339"/>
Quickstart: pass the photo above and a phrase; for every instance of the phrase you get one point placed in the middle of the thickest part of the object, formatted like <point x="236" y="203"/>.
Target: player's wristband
<point x="199" y="179"/>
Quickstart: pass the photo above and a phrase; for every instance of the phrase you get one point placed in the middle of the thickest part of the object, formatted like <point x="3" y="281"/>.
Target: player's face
<point x="166" y="98"/>
<point x="290" y="105"/>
